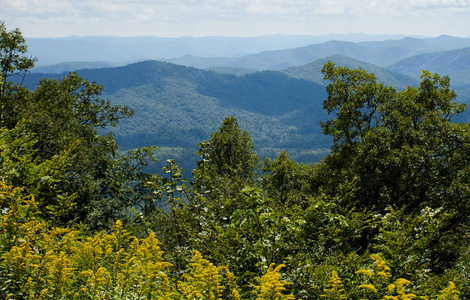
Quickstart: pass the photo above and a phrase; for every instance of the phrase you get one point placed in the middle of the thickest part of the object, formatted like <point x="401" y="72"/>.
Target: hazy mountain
<point x="126" y="49"/>
<point x="381" y="53"/>
<point x="73" y="66"/>
<point x="234" y="71"/>
<point x="131" y="49"/>
<point x="455" y="63"/>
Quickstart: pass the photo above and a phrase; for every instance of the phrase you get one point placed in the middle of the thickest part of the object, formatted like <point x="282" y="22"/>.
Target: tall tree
<point x="228" y="164"/>
<point x="401" y="146"/>
<point x="13" y="61"/>
<point x="62" y="118"/>
<point x="283" y="179"/>
<point x="227" y="156"/>
<point x="402" y="152"/>
<point x="231" y="151"/>
<point x="355" y="97"/>
<point x="68" y="112"/>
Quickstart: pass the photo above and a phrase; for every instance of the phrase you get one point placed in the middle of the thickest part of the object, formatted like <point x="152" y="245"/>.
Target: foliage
<point x="79" y="177"/>
<point x="20" y="168"/>
<point x="64" y="264"/>
<point x="227" y="162"/>
<point x="336" y="290"/>
<point x="283" y="179"/>
<point x="408" y="241"/>
<point x="377" y="283"/>
<point x="401" y="148"/>
<point x="78" y="219"/>
<point x="272" y="286"/>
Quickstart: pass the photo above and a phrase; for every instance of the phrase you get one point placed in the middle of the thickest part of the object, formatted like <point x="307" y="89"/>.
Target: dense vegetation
<point x="384" y="216"/>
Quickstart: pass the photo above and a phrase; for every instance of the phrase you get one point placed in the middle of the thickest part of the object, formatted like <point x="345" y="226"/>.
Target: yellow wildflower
<point x="369" y="287"/>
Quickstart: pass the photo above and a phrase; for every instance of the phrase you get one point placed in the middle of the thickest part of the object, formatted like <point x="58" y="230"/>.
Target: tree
<point x="355" y="97"/>
<point x="68" y="112"/>
<point x="401" y="146"/>
<point x="417" y="156"/>
<point x="13" y="61"/>
<point x="227" y="159"/>
<point x="283" y="179"/>
<point x="231" y="151"/>
<point x="65" y="118"/>
<point x="401" y="149"/>
<point x="60" y="112"/>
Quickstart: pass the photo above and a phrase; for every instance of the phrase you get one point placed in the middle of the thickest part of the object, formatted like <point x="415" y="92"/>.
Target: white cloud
<point x="176" y="9"/>
<point x="211" y="16"/>
<point x="439" y="3"/>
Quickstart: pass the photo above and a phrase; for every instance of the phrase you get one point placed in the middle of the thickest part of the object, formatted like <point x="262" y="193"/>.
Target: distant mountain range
<point x="408" y="56"/>
<point x="124" y="50"/>
<point x="381" y="53"/>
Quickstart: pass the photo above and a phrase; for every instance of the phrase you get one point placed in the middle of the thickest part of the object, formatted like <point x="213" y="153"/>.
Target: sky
<point x="173" y="18"/>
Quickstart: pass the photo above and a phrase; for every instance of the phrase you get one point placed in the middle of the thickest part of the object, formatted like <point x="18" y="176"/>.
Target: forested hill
<point x="177" y="106"/>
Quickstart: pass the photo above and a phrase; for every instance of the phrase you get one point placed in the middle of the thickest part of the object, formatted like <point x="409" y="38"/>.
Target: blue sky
<point x="57" y="18"/>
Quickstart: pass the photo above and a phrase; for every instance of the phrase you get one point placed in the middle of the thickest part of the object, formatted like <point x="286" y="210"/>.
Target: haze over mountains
<point x="445" y="55"/>
<point x="124" y="50"/>
<point x="455" y="63"/>
<point x="276" y="95"/>
<point x="381" y="53"/>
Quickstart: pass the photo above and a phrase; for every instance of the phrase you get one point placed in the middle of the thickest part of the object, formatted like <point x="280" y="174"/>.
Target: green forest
<point x="383" y="216"/>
